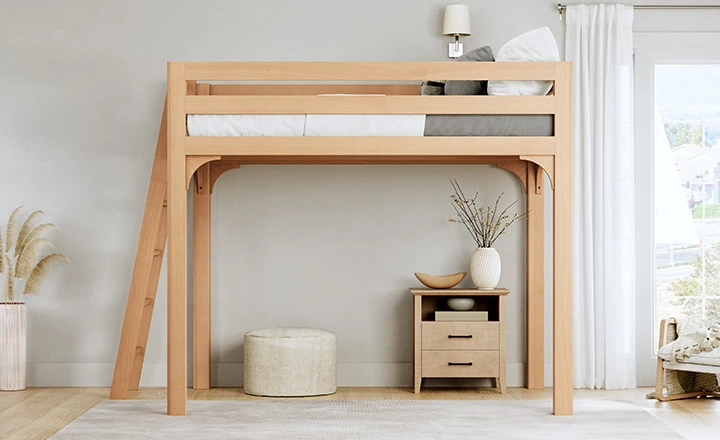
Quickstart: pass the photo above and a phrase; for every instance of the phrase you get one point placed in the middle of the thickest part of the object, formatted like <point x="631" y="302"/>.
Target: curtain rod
<point x="561" y="7"/>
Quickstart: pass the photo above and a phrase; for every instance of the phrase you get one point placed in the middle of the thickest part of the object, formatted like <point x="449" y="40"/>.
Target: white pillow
<point x="537" y="45"/>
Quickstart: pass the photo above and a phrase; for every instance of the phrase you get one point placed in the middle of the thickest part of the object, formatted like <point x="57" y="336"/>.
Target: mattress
<point x="370" y="125"/>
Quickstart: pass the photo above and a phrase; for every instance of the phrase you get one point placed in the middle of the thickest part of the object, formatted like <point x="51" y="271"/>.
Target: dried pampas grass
<point x="2" y="251"/>
<point x="39" y="231"/>
<point x="7" y="280"/>
<point x="25" y="230"/>
<point x="40" y="270"/>
<point x="11" y="229"/>
<point x="29" y="256"/>
<point x="21" y="248"/>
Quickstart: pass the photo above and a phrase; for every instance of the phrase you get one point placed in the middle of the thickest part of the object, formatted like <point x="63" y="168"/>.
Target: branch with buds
<point x="484" y="223"/>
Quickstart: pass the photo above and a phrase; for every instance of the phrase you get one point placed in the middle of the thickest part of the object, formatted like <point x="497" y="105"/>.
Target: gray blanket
<point x="489" y="125"/>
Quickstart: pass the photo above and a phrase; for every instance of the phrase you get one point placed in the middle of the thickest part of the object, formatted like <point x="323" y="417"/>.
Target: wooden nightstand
<point x="467" y="349"/>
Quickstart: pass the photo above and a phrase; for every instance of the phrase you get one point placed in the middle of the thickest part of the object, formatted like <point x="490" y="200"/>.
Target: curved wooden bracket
<point x="517" y="167"/>
<point x="192" y="163"/>
<point x="217" y="169"/>
<point x="546" y="163"/>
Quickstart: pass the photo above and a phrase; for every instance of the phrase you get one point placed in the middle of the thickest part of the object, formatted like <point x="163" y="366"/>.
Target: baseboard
<point x="231" y="375"/>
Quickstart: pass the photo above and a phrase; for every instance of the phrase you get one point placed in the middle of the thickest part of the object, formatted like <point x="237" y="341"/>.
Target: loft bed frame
<point x="179" y="157"/>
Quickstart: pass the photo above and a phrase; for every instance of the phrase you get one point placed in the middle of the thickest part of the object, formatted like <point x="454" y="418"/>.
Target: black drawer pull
<point x="453" y="364"/>
<point x="460" y="336"/>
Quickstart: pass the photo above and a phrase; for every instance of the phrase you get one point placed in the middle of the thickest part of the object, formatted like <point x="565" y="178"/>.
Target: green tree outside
<point x="680" y="133"/>
<point x="688" y="290"/>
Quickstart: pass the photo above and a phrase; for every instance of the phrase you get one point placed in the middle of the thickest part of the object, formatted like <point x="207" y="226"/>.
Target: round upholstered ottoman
<point x="290" y="361"/>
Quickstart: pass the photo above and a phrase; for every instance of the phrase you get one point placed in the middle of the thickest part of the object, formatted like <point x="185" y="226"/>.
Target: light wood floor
<point x="37" y="413"/>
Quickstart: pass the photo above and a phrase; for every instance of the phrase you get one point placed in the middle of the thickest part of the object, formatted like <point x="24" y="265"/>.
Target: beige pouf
<point x="290" y="361"/>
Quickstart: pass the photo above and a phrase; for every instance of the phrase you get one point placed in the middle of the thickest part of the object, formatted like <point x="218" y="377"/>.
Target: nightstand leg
<point x="500" y="385"/>
<point x="418" y="382"/>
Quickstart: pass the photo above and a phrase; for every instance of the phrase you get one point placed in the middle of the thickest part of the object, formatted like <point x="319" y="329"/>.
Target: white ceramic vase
<point x="12" y="346"/>
<point x="485" y="268"/>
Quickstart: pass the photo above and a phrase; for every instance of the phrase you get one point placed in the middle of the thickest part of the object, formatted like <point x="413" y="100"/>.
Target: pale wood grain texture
<point x="201" y="278"/>
<point x="218" y="168"/>
<point x="177" y="243"/>
<point x="192" y="163"/>
<point x="417" y="343"/>
<point x="359" y="105"/>
<point x="366" y="71"/>
<point x="377" y="146"/>
<point x="202" y="267"/>
<point x="535" y="278"/>
<point x="501" y="381"/>
<point x="517" y="167"/>
<point x="143" y="284"/>
<point x="460" y="292"/>
<point x="460" y="363"/>
<point x="295" y="159"/>
<point x="459" y="349"/>
<point x="460" y="335"/>
<point x="38" y="413"/>
<point x="562" y="247"/>
<point x="313" y="89"/>
<point x="150" y="294"/>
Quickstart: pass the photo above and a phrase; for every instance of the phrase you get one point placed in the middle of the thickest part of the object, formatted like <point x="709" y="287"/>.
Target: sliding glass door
<point x="678" y="183"/>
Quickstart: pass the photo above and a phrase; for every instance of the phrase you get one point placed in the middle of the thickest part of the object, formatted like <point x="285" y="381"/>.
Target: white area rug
<point x="369" y="419"/>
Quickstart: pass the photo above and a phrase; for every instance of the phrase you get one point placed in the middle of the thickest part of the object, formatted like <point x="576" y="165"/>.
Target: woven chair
<point x="682" y="379"/>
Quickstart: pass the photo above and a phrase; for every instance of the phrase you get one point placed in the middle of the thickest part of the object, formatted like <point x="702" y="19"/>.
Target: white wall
<point x="82" y="85"/>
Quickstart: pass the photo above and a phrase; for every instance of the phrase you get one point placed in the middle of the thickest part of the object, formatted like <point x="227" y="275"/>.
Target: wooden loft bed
<point x="179" y="157"/>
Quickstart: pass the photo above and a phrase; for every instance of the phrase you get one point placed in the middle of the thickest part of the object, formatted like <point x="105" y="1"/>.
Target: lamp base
<point x="455" y="50"/>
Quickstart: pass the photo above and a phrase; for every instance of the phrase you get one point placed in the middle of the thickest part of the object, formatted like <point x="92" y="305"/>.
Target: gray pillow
<point x="471" y="87"/>
<point x="432" y="88"/>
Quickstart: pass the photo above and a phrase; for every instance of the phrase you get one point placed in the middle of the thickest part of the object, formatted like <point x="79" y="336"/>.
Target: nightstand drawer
<point x="460" y="335"/>
<point x="460" y="363"/>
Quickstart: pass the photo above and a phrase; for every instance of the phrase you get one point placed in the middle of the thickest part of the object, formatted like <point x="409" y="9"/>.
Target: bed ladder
<point x="148" y="263"/>
<point x="145" y="276"/>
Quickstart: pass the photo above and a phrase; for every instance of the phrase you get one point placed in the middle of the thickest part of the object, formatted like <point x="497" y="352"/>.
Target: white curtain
<point x="599" y="43"/>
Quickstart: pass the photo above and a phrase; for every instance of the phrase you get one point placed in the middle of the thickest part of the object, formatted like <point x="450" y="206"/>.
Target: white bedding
<point x="711" y="358"/>
<point x="306" y="125"/>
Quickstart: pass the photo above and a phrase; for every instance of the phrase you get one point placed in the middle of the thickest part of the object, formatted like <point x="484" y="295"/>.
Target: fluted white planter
<point x="12" y="346"/>
<point x="485" y="268"/>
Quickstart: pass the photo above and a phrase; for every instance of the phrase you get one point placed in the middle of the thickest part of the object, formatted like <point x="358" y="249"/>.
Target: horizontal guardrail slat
<point x="313" y="89"/>
<point x="366" y="71"/>
<point x="373" y="146"/>
<point x="299" y="104"/>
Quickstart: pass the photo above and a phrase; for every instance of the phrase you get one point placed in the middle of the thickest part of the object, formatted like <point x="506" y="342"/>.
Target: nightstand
<point x="467" y="349"/>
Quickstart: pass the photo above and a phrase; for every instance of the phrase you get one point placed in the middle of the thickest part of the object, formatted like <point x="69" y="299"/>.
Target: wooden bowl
<point x="440" y="281"/>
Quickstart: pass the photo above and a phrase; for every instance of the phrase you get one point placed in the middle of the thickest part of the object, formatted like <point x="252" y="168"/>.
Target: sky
<point x="682" y="85"/>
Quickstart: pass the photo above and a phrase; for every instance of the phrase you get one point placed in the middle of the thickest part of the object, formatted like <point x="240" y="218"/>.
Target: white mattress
<point x="306" y="125"/>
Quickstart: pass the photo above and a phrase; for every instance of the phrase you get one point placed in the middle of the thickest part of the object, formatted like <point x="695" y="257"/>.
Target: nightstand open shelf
<point x="459" y="349"/>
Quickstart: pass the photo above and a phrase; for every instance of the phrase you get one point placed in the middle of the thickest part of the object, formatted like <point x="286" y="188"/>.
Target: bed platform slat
<point x="366" y="71"/>
<point x="377" y="146"/>
<point x="353" y="105"/>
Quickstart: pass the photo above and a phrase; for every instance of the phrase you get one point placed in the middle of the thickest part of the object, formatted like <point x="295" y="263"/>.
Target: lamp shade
<point x="457" y="20"/>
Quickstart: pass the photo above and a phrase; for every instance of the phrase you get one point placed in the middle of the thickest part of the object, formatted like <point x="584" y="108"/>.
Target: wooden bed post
<point x="177" y="244"/>
<point x="201" y="278"/>
<point x="535" y="294"/>
<point x="531" y="176"/>
<point x="146" y="273"/>
<point x="201" y="270"/>
<point x="562" y="244"/>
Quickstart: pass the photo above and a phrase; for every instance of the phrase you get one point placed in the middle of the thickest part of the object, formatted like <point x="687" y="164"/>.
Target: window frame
<point x="653" y="48"/>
